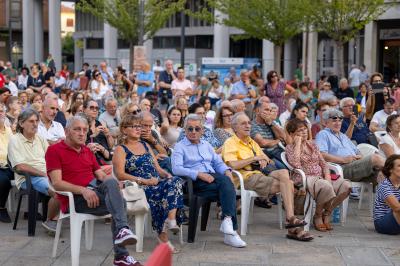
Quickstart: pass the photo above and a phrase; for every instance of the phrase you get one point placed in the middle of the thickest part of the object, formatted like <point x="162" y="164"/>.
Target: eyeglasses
<point x="227" y="115"/>
<point x="336" y="118"/>
<point x="135" y="112"/>
<point x="274" y="76"/>
<point x="94" y="108"/>
<point x="98" y="74"/>
<point x="137" y="127"/>
<point x="192" y="129"/>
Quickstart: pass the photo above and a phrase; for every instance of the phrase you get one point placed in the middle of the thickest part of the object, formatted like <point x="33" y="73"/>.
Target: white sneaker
<point x="227" y="226"/>
<point x="171" y="225"/>
<point x="234" y="241"/>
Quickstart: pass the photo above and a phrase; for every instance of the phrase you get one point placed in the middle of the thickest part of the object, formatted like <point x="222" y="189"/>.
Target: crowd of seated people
<point x="153" y="128"/>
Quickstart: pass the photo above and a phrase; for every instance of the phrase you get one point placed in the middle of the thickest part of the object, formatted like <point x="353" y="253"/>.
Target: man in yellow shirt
<point x="26" y="152"/>
<point x="5" y="172"/>
<point x="242" y="153"/>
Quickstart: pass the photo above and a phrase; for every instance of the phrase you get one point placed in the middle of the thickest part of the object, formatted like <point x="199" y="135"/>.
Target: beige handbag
<point x="135" y="197"/>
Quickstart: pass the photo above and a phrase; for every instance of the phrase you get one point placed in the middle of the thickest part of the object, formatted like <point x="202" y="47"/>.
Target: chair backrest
<point x="379" y="134"/>
<point x="366" y="149"/>
<point x="284" y="160"/>
<point x="161" y="256"/>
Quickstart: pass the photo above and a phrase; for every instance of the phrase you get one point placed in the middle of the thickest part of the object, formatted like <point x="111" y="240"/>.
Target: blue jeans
<point x="387" y="225"/>
<point x="39" y="183"/>
<point x="221" y="189"/>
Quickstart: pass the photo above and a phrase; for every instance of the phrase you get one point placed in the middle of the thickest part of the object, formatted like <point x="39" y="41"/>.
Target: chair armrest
<point x="189" y="184"/>
<point x="70" y="200"/>
<point x="303" y="176"/>
<point x="241" y="181"/>
<point x="336" y="168"/>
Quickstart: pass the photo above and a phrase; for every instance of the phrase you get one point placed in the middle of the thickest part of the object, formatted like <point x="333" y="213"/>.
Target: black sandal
<point x="263" y="203"/>
<point x="294" y="222"/>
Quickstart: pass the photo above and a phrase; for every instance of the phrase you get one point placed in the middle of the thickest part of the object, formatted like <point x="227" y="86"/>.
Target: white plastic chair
<point x="247" y="205"/>
<point x="309" y="211"/>
<point x="76" y="220"/>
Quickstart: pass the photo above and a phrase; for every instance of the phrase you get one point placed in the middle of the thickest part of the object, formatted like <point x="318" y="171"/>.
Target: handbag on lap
<point x="135" y="197"/>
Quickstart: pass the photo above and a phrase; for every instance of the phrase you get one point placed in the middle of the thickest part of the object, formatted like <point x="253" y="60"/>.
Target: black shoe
<point x="4" y="217"/>
<point x="263" y="203"/>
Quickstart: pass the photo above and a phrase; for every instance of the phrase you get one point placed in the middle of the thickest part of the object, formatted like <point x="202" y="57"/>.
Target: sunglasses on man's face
<point x="193" y="129"/>
<point x="336" y="118"/>
<point x="94" y="108"/>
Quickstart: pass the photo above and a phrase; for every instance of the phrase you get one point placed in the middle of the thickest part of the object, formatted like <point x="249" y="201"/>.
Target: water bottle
<point x="336" y="215"/>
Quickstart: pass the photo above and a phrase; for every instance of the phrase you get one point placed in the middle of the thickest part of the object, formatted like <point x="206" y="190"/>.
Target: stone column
<point x="289" y="59"/>
<point x="55" y="31"/>
<point x="267" y="56"/>
<point x="310" y="63"/>
<point x="28" y="32"/>
<point x="77" y="56"/>
<point x="221" y="37"/>
<point x="370" y="46"/>
<point x="110" y="45"/>
<point x="38" y="24"/>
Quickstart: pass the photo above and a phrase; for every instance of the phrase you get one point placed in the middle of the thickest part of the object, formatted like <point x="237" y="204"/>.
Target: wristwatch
<point x="274" y="123"/>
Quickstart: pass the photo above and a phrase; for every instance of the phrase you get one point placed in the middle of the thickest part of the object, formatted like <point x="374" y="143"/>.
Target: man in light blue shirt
<point x="243" y="90"/>
<point x="336" y="147"/>
<point x="145" y="79"/>
<point x="196" y="158"/>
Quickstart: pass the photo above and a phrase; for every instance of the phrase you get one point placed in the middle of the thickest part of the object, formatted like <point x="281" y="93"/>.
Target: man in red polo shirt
<point x="72" y="167"/>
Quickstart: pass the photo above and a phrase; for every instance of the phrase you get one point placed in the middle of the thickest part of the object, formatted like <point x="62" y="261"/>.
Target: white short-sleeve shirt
<point x="380" y="118"/>
<point x="54" y="133"/>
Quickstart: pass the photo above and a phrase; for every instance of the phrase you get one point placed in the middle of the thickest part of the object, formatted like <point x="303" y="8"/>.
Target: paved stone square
<point x="354" y="244"/>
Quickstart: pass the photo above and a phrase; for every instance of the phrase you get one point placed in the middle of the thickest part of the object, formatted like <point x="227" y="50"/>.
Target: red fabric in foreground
<point x="161" y="256"/>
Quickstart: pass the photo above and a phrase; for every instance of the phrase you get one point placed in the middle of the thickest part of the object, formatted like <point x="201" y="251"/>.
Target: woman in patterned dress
<point x="134" y="160"/>
<point x="275" y="90"/>
<point x="304" y="154"/>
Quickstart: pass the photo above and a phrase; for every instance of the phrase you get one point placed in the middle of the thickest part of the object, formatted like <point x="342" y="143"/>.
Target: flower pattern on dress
<point x="162" y="198"/>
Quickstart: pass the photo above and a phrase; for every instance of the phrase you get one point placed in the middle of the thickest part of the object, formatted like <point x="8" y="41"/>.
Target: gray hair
<point x="192" y="117"/>
<point x="243" y="71"/>
<point x="343" y="80"/>
<point x="25" y="115"/>
<point x="145" y="114"/>
<point x="331" y="112"/>
<point x="110" y="99"/>
<point x="75" y="118"/>
<point x="273" y="106"/>
<point x="344" y="100"/>
<point x="236" y="116"/>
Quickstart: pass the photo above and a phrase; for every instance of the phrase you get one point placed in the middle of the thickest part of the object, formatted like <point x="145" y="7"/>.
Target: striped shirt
<point x="385" y="189"/>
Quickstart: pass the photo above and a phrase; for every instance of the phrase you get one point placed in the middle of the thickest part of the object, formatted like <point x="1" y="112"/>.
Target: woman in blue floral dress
<point x="133" y="160"/>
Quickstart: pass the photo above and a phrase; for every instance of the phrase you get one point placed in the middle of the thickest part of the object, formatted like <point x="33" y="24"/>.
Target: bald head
<point x="238" y="106"/>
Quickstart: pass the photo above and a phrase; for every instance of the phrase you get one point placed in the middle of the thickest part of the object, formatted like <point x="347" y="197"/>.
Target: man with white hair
<point x="336" y="147"/>
<point x="60" y="117"/>
<point x="196" y="158"/>
<point x="67" y="158"/>
<point x="344" y="90"/>
<point x="227" y="88"/>
<point x="238" y="106"/>
<point x="49" y="129"/>
<point x="107" y="74"/>
<point x="242" y="153"/>
<point x="352" y="125"/>
<point x="111" y="117"/>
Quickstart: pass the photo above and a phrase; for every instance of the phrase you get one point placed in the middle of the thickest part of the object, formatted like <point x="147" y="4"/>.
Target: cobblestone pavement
<point x="354" y="244"/>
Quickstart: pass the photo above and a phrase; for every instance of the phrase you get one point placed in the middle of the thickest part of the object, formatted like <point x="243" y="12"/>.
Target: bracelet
<point x="139" y="180"/>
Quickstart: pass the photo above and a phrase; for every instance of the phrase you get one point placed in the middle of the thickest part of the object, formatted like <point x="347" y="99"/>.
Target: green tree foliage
<point x="125" y="17"/>
<point x="273" y="20"/>
<point x="67" y="43"/>
<point x="342" y="20"/>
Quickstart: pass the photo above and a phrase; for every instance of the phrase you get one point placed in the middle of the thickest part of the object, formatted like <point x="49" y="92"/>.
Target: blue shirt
<point x="208" y="136"/>
<point x="241" y="89"/>
<point x="189" y="159"/>
<point x="142" y="76"/>
<point x="360" y="131"/>
<point x="335" y="144"/>
<point x="385" y="189"/>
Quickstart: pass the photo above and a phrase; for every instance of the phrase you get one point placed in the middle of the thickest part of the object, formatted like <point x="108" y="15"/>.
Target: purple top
<point x="276" y="95"/>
